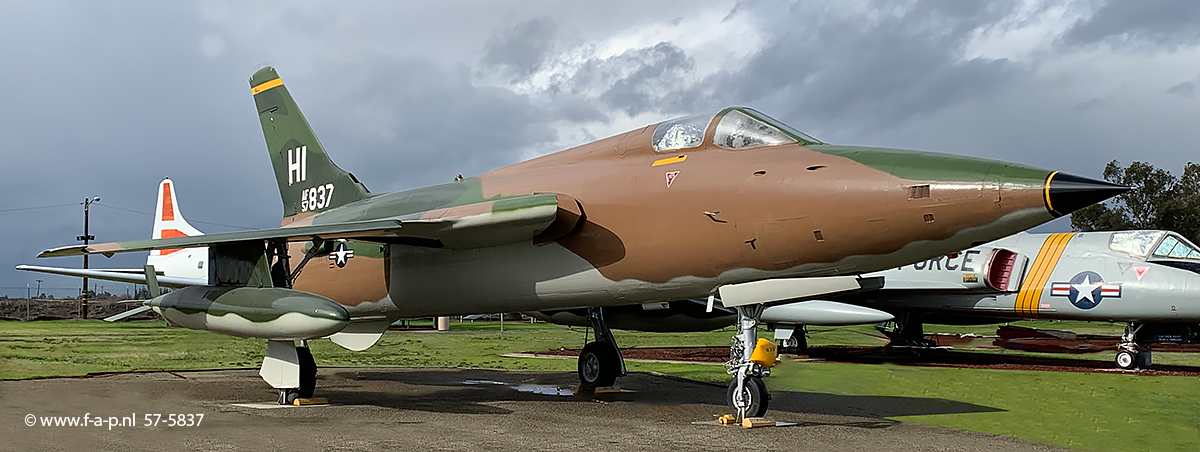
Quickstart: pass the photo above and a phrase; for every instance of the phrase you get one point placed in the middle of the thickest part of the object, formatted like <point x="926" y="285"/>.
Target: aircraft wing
<point x="111" y="275"/>
<point x="476" y="225"/>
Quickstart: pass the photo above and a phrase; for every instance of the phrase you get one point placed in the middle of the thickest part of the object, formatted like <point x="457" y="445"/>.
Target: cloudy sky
<point x="107" y="98"/>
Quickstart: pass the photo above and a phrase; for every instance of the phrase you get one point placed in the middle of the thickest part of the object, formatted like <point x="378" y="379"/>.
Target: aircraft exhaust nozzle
<point x="1066" y="193"/>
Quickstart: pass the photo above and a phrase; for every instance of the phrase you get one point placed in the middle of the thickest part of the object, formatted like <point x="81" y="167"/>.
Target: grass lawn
<point x="1103" y="412"/>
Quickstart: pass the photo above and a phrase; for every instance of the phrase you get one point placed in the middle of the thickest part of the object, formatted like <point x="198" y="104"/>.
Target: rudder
<point x="308" y="180"/>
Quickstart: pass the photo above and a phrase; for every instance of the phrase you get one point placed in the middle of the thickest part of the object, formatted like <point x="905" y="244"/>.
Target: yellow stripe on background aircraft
<point x="730" y="204"/>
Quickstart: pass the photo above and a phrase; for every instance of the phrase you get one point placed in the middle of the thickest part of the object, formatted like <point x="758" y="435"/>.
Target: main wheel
<point x="753" y="390"/>
<point x="794" y="345"/>
<point x="308" y="373"/>
<point x="1125" y="359"/>
<point x="599" y="366"/>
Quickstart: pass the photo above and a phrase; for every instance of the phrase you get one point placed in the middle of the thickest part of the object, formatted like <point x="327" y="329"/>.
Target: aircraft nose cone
<point x="1066" y="193"/>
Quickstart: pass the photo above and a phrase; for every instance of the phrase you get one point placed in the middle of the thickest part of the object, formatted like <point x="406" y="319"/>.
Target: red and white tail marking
<point x="168" y="223"/>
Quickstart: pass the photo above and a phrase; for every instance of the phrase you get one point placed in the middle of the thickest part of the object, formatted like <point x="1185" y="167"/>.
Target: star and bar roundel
<point x="341" y="255"/>
<point x="1086" y="290"/>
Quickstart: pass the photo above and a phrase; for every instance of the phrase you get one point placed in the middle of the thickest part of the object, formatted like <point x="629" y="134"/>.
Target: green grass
<point x="1103" y="412"/>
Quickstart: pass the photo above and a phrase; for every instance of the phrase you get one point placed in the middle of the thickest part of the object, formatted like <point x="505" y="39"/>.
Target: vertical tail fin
<point x="169" y="222"/>
<point x="308" y="180"/>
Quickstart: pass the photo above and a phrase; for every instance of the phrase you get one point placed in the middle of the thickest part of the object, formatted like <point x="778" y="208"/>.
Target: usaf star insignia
<point x="1086" y="290"/>
<point x="341" y="255"/>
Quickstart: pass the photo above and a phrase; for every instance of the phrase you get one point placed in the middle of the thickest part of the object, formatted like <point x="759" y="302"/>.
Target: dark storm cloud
<point x="1185" y="89"/>
<point x="638" y="80"/>
<point x="404" y="116"/>
<point x="872" y="73"/>
<point x="521" y="49"/>
<point x="1170" y="22"/>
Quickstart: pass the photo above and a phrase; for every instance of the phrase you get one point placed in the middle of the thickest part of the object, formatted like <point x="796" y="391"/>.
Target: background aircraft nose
<point x="1066" y="193"/>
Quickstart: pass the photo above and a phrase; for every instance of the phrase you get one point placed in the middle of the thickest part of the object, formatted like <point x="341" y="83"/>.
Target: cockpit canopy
<point x="736" y="128"/>
<point x="1154" y="245"/>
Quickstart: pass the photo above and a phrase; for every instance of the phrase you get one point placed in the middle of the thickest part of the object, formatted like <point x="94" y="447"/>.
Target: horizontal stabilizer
<point x="127" y="314"/>
<point x="116" y="275"/>
<point x="774" y="291"/>
<point x="477" y="225"/>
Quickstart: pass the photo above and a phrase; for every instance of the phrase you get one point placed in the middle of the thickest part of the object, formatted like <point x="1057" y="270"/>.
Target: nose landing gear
<point x="1130" y="353"/>
<point x="750" y="360"/>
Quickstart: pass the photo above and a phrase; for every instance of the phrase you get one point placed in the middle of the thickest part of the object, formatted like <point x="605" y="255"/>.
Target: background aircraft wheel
<point x="1125" y="359"/>
<point x="755" y="390"/>
<point x="598" y="366"/>
<point x="308" y="373"/>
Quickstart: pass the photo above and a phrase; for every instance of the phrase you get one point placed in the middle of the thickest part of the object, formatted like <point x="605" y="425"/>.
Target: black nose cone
<point x="1066" y="193"/>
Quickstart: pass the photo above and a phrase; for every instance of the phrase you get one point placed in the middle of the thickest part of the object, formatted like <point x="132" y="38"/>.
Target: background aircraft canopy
<point x="736" y="128"/>
<point x="1154" y="245"/>
<point x="1174" y="246"/>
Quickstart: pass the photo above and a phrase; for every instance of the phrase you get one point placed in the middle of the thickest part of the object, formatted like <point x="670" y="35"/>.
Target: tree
<point x="1158" y="200"/>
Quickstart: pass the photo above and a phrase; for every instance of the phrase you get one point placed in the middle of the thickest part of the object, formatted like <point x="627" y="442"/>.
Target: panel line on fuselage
<point x="1047" y="258"/>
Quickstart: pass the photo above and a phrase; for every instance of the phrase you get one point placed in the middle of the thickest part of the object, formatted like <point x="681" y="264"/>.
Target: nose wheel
<point x="1131" y="354"/>
<point x="747" y="395"/>
<point x="752" y="395"/>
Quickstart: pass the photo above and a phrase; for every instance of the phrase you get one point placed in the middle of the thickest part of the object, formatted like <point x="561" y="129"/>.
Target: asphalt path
<point x="455" y="409"/>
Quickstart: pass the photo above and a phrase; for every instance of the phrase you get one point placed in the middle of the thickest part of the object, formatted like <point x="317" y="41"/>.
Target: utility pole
<point x="26" y="301"/>
<point x="39" y="291"/>
<point x="86" y="237"/>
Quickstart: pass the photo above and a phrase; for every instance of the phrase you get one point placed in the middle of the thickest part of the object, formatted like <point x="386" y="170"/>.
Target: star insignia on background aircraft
<point x="1086" y="290"/>
<point x="341" y="254"/>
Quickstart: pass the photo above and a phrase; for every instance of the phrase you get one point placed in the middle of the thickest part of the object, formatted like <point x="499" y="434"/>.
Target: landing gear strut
<point x="600" y="361"/>
<point x="747" y="396"/>
<point x="1130" y="353"/>
<point x="906" y="331"/>
<point x="287" y="367"/>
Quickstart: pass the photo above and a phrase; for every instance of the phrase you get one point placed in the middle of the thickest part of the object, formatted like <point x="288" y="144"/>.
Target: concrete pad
<point x="456" y="409"/>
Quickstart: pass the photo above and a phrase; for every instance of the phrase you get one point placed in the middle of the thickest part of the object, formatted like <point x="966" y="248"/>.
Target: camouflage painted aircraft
<point x="1146" y="279"/>
<point x="730" y="204"/>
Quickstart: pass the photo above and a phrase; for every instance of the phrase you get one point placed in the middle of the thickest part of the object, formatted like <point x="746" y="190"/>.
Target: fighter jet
<point x="1145" y="279"/>
<point x="730" y="204"/>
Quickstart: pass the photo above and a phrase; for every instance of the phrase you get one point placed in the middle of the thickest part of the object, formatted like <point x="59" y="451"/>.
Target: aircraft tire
<point x="598" y="366"/>
<point x="1126" y="359"/>
<point x="308" y="373"/>
<point x="756" y="390"/>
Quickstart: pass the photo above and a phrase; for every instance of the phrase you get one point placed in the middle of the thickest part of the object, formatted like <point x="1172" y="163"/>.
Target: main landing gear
<point x="1130" y="353"/>
<point x="906" y="330"/>
<point x="287" y="367"/>
<point x="600" y="361"/>
<point x="290" y="369"/>
<point x="748" y="396"/>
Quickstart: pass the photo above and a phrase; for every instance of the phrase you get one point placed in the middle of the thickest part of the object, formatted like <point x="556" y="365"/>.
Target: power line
<point x="189" y="221"/>
<point x="19" y="209"/>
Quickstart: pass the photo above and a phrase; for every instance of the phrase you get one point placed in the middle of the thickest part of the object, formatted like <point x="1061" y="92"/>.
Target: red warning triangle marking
<point x="671" y="177"/>
<point x="1140" y="271"/>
